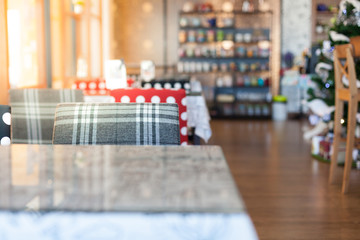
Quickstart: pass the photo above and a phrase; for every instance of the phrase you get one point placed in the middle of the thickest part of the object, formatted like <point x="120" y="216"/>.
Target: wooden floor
<point x="287" y="192"/>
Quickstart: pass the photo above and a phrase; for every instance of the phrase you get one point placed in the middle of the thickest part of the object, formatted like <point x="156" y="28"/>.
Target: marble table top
<point x="192" y="179"/>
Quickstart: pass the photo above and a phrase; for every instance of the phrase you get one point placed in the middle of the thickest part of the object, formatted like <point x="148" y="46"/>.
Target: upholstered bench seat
<point x="33" y="112"/>
<point x="117" y="123"/>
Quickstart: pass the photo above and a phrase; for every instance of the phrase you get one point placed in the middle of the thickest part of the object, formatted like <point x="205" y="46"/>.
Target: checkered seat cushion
<point x="117" y="123"/>
<point x="5" y="122"/>
<point x="157" y="96"/>
<point x="33" y="112"/>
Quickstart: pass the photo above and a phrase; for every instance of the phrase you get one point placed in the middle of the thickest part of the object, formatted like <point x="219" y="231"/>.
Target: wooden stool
<point x="350" y="94"/>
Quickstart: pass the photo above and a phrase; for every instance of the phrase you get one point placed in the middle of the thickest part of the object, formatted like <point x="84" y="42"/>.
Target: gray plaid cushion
<point x="117" y="123"/>
<point x="33" y="112"/>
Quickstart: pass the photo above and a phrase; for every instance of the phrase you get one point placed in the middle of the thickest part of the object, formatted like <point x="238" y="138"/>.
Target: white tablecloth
<point x="125" y="226"/>
<point x="101" y="99"/>
<point x="198" y="116"/>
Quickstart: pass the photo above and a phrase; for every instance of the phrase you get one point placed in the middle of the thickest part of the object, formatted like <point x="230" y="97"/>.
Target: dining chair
<point x="117" y="124"/>
<point x="344" y="68"/>
<point x="5" y="122"/>
<point x="151" y="95"/>
<point x="33" y="112"/>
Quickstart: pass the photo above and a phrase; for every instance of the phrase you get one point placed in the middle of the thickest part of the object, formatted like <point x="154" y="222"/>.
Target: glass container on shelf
<point x="247" y="6"/>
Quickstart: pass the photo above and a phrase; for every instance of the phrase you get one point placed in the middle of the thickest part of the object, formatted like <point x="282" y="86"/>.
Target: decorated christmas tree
<point x="347" y="22"/>
<point x="322" y="97"/>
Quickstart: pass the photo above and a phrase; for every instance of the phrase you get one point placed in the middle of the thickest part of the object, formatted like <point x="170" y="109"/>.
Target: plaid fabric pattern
<point x="117" y="123"/>
<point x="33" y="112"/>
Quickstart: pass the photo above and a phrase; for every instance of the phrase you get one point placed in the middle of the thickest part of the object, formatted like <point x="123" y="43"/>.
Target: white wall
<point x="296" y="26"/>
<point x="107" y="29"/>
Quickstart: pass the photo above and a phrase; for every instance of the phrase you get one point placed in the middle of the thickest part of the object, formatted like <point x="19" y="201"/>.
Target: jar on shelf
<point x="210" y="36"/>
<point x="219" y="82"/>
<point x="228" y="22"/>
<point x="201" y="36"/>
<point x="239" y="37"/>
<point x="239" y="81"/>
<point x="192" y="67"/>
<point x="205" y="51"/>
<point x="181" y="52"/>
<point x="254" y="81"/>
<point x="260" y="82"/>
<point x="228" y="81"/>
<point x="253" y="67"/>
<point x="250" y="110"/>
<point x="223" y="67"/>
<point x="212" y="22"/>
<point x="243" y="67"/>
<point x="265" y="110"/>
<point x="247" y="37"/>
<point x="257" y="110"/>
<point x="199" y="67"/>
<point x="250" y="52"/>
<point x="180" y="67"/>
<point x="229" y="36"/>
<point x="182" y="36"/>
<point x="247" y="81"/>
<point x="189" y="52"/>
<point x="232" y="66"/>
<point x="204" y="22"/>
<point x="214" y="67"/>
<point x="206" y="67"/>
<point x="191" y="36"/>
<point x="220" y="35"/>
<point x="198" y="52"/>
<point x="241" y="51"/>
<point x="195" y="22"/>
<point x="184" y="22"/>
<point x="213" y="52"/>
<point x="186" y="67"/>
<point x="240" y="109"/>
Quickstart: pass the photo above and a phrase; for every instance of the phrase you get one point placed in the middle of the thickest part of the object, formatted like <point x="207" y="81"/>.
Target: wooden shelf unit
<point x="323" y="18"/>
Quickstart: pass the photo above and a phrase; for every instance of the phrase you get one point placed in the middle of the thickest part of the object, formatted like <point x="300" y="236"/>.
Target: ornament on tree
<point x="322" y="69"/>
<point x="320" y="108"/>
<point x="345" y="81"/>
<point x="337" y="37"/>
<point x="321" y="128"/>
<point x="343" y="6"/>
